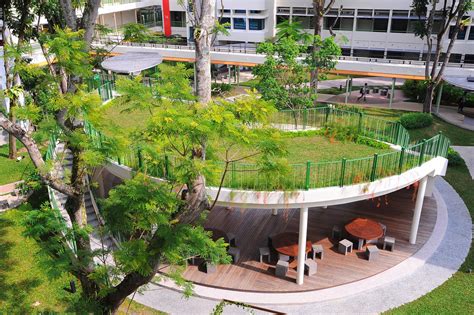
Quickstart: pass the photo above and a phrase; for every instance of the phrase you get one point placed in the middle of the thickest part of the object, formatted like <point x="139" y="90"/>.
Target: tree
<point x="17" y="20"/>
<point x="135" y="32"/>
<point x="435" y="20"/>
<point x="319" y="10"/>
<point x="284" y="75"/>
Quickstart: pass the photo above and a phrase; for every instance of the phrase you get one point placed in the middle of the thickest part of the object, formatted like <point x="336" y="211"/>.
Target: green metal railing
<point x="307" y="175"/>
<point x="299" y="176"/>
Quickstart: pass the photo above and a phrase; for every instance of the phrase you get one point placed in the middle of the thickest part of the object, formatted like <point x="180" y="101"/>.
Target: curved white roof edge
<point x="314" y="197"/>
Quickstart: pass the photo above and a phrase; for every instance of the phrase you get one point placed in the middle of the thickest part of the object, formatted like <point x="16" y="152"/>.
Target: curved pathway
<point x="453" y="234"/>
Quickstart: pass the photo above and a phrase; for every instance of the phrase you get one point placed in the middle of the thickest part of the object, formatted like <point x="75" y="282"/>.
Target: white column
<point x="418" y="206"/>
<point x="302" y="244"/>
<point x="274" y="211"/>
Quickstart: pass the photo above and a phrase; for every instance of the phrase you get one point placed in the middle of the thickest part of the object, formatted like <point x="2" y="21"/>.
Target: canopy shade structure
<point x="132" y="62"/>
<point x="465" y="83"/>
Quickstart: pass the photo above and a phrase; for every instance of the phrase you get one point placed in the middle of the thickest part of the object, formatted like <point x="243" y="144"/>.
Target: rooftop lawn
<point x="300" y="149"/>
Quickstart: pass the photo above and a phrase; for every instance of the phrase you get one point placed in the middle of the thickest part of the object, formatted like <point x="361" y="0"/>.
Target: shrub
<point x="416" y="120"/>
<point x="220" y="88"/>
<point x="371" y="143"/>
<point x="454" y="158"/>
<point x="416" y="90"/>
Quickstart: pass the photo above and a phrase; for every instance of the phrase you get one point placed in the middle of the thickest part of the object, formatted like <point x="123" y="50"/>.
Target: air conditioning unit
<point x="470" y="79"/>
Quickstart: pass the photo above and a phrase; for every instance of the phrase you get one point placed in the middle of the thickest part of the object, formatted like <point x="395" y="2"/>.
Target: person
<point x="363" y="93"/>
<point x="462" y="102"/>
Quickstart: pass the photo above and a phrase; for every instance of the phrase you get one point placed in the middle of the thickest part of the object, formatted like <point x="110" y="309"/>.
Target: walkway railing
<point x="309" y="175"/>
<point x="252" y="49"/>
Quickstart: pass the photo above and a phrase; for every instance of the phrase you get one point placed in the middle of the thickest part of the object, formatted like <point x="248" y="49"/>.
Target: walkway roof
<point x="132" y="62"/>
<point x="461" y="82"/>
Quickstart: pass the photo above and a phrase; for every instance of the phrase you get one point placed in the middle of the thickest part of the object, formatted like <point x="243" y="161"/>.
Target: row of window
<point x="373" y="24"/>
<point x="403" y="55"/>
<point x="241" y="23"/>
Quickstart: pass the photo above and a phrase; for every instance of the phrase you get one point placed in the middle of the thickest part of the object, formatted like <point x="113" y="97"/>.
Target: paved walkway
<point x="453" y="232"/>
<point x="450" y="115"/>
<point x="371" y="81"/>
<point x="467" y="153"/>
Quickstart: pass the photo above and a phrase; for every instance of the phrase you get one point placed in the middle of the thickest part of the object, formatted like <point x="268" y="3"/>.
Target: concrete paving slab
<point x="467" y="153"/>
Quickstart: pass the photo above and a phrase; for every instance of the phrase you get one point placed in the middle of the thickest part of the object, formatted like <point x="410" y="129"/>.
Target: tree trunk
<point x="318" y="7"/>
<point x="205" y="10"/>
<point x="69" y="14"/>
<point x="430" y="89"/>
<point x="91" y="11"/>
<point x="12" y="151"/>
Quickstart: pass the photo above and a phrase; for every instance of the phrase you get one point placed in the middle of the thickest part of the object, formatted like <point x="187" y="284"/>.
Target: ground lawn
<point x="26" y="286"/>
<point x="11" y="170"/>
<point x="455" y="296"/>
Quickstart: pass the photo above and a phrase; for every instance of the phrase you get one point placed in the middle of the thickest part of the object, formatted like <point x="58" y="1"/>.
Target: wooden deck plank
<point x="252" y="227"/>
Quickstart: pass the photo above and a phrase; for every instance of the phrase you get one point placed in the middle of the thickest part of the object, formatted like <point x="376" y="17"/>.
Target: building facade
<point x="365" y="28"/>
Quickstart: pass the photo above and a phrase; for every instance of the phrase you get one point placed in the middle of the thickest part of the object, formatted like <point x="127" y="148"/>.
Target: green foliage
<point x="416" y="120"/>
<point x="220" y="88"/>
<point x="371" y="143"/>
<point x="283" y="78"/>
<point x="416" y="90"/>
<point x="454" y="158"/>
<point x="144" y="214"/>
<point x="135" y="32"/>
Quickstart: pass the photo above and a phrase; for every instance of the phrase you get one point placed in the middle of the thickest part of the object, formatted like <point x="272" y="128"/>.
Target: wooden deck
<point x="253" y="226"/>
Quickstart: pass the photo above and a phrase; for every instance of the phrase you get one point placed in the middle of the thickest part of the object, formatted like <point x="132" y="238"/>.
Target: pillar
<point x="166" y="18"/>
<point x="302" y="245"/>
<point x="438" y="97"/>
<point x="418" y="206"/>
<point x="347" y="90"/>
<point x="238" y="75"/>
<point x="392" y="92"/>
<point x="115" y="23"/>
<point x="274" y="211"/>
<point x="230" y="72"/>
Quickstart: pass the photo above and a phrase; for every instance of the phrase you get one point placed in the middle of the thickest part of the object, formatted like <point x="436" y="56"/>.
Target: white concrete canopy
<point x="132" y="62"/>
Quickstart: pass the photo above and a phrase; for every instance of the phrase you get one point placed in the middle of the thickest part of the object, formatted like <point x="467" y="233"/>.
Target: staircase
<point x="98" y="241"/>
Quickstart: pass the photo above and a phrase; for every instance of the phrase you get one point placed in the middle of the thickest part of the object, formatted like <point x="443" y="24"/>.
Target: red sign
<point x="166" y="18"/>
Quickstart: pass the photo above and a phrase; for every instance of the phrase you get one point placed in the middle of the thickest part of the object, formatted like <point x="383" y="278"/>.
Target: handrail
<point x="251" y="49"/>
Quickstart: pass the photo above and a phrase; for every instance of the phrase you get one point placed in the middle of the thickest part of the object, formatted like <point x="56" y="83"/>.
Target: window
<point x="346" y="51"/>
<point x="225" y="20"/>
<point x="240" y="11"/>
<point x="382" y="13"/>
<point x="468" y="58"/>
<point x="399" y="25"/>
<point x="471" y="33"/>
<point x="372" y="25"/>
<point x="400" y="13"/>
<point x="404" y="55"/>
<point x="255" y="11"/>
<point x="361" y="12"/>
<point x="225" y="11"/>
<point x="282" y="18"/>
<point x="306" y="21"/>
<point x="300" y="11"/>
<point x="240" y="24"/>
<point x="178" y="18"/>
<point x="256" y="24"/>
<point x="283" y="10"/>
<point x="342" y="24"/>
<point x="461" y="33"/>
<point x="455" y="58"/>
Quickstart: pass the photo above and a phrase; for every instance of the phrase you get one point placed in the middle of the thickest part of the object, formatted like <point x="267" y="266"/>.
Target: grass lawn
<point x="300" y="149"/>
<point x="27" y="282"/>
<point x="11" y="170"/>
<point x="455" y="296"/>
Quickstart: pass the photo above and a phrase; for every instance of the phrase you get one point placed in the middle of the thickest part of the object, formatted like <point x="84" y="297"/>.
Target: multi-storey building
<point x="365" y="28"/>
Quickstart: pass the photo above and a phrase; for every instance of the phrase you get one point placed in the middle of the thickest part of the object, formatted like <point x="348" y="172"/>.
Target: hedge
<point x="416" y="120"/>
<point x="416" y="90"/>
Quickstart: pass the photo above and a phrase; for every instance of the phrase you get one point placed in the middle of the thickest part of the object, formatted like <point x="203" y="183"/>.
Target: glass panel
<point x="282" y="18"/>
<point x="471" y="33"/>
<point x="380" y="25"/>
<point x="364" y="12"/>
<point x="240" y="11"/>
<point x="399" y="25"/>
<point x="469" y="59"/>
<point x="298" y="10"/>
<point x="256" y="24"/>
<point x="240" y="24"/>
<point x="400" y="13"/>
<point x="226" y="20"/>
<point x="283" y="10"/>
<point x="364" y="25"/>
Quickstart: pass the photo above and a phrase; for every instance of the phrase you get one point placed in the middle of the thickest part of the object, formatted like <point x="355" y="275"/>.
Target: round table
<point x="366" y="229"/>
<point x="287" y="244"/>
<point x="217" y="234"/>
